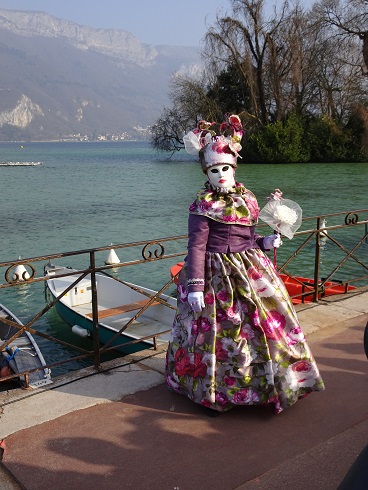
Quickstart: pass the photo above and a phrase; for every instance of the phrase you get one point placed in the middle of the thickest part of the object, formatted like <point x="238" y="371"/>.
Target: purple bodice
<point x="208" y="235"/>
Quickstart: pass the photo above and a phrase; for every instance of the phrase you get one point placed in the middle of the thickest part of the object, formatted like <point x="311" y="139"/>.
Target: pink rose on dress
<point x="245" y="396"/>
<point x="221" y="398"/>
<point x="206" y="403"/>
<point x="254" y="274"/>
<point x="203" y="324"/>
<point x="247" y="332"/>
<point x="254" y="317"/>
<point x="222" y="296"/>
<point x="195" y="328"/>
<point x="266" y="261"/>
<point x="295" y="335"/>
<point x="182" y="365"/>
<point x="273" y="324"/>
<point x="209" y="299"/>
<point x="301" y="374"/>
<point x="199" y="367"/>
<point x="221" y="353"/>
<point x="220" y="316"/>
<point x="233" y="315"/>
<point x="229" y="380"/>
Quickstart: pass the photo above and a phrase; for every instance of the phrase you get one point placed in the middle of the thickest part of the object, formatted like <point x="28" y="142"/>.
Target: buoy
<point x="112" y="258"/>
<point x="20" y="273"/>
<point x="82" y="332"/>
<point x="324" y="232"/>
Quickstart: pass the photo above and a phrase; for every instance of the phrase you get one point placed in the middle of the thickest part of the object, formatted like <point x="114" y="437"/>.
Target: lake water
<point x="87" y="195"/>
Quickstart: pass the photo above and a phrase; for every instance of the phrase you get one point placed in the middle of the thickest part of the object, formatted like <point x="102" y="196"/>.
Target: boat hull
<point x="23" y="353"/>
<point x="117" y="305"/>
<point x="72" y="318"/>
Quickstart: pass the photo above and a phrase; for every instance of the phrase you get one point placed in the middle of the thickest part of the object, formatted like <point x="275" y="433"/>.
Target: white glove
<point x="196" y="301"/>
<point x="272" y="241"/>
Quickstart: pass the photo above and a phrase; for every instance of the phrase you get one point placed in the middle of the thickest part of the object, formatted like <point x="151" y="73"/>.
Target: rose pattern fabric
<point x="238" y="206"/>
<point x="246" y="346"/>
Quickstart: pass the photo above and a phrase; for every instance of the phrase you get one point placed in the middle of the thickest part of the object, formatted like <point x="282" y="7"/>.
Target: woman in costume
<point x="236" y="338"/>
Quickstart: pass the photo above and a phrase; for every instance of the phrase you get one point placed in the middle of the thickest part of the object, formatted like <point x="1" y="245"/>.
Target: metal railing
<point x="308" y="244"/>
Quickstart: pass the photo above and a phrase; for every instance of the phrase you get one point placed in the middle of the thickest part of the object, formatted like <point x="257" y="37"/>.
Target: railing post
<point x="317" y="261"/>
<point x="96" y="338"/>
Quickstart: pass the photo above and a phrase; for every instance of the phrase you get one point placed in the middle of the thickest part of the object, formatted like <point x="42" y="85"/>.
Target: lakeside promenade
<point x="122" y="428"/>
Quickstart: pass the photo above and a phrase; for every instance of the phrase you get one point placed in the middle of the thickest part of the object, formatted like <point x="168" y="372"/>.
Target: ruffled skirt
<point x="246" y="347"/>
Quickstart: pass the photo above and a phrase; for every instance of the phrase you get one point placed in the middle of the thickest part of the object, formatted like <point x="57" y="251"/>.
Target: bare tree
<point x="243" y="40"/>
<point x="349" y="18"/>
<point x="190" y="104"/>
<point x="294" y="61"/>
<point x="167" y="132"/>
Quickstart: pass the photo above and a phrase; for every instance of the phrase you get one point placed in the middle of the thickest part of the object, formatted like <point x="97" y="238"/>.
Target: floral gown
<point x="246" y="346"/>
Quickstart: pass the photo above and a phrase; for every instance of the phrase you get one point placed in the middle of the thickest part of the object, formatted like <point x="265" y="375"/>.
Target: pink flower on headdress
<point x="232" y="126"/>
<point x="236" y="123"/>
<point x="221" y="147"/>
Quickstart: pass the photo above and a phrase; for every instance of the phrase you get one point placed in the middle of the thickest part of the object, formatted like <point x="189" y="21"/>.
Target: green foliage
<point x="358" y="130"/>
<point x="280" y="142"/>
<point x="298" y="140"/>
<point x="327" y="140"/>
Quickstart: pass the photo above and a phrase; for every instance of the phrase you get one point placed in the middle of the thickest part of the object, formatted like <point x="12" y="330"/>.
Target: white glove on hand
<point x="196" y="301"/>
<point x="272" y="241"/>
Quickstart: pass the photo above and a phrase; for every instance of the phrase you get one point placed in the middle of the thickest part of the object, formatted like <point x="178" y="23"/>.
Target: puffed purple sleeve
<point x="198" y="230"/>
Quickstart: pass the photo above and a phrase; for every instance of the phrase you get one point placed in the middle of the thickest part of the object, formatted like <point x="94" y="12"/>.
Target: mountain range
<point x="61" y="81"/>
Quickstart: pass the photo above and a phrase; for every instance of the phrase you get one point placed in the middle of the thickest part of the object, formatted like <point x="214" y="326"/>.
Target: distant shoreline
<point x="22" y="142"/>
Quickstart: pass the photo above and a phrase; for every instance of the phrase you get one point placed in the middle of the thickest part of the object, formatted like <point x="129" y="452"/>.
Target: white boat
<point x="119" y="305"/>
<point x="20" y="164"/>
<point x="22" y="354"/>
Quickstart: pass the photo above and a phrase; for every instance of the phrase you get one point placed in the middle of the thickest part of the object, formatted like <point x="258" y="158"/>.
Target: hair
<point x="202" y="160"/>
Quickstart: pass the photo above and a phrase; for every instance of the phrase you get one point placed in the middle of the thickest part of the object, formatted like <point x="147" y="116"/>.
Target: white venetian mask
<point x="221" y="176"/>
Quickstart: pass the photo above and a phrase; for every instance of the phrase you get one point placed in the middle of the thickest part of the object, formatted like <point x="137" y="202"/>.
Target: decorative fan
<point x="283" y="215"/>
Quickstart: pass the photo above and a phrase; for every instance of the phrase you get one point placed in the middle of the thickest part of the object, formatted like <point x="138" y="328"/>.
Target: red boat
<point x="296" y="286"/>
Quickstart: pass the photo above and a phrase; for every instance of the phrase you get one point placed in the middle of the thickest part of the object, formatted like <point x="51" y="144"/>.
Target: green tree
<point x="327" y="140"/>
<point x="294" y="76"/>
<point x="279" y="142"/>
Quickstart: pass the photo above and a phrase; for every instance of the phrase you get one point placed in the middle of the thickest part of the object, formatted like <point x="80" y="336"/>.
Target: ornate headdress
<point x="213" y="147"/>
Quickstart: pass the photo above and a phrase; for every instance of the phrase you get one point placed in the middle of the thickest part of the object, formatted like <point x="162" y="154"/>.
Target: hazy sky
<point x="172" y="22"/>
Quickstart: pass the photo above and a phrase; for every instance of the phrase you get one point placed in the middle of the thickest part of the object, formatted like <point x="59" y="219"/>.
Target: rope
<point x="9" y="358"/>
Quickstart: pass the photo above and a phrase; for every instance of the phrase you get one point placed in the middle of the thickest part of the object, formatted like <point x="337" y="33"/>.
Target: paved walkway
<point x="123" y="429"/>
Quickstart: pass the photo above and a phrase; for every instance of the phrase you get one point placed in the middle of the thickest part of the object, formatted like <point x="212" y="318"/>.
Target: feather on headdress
<point x="213" y="148"/>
